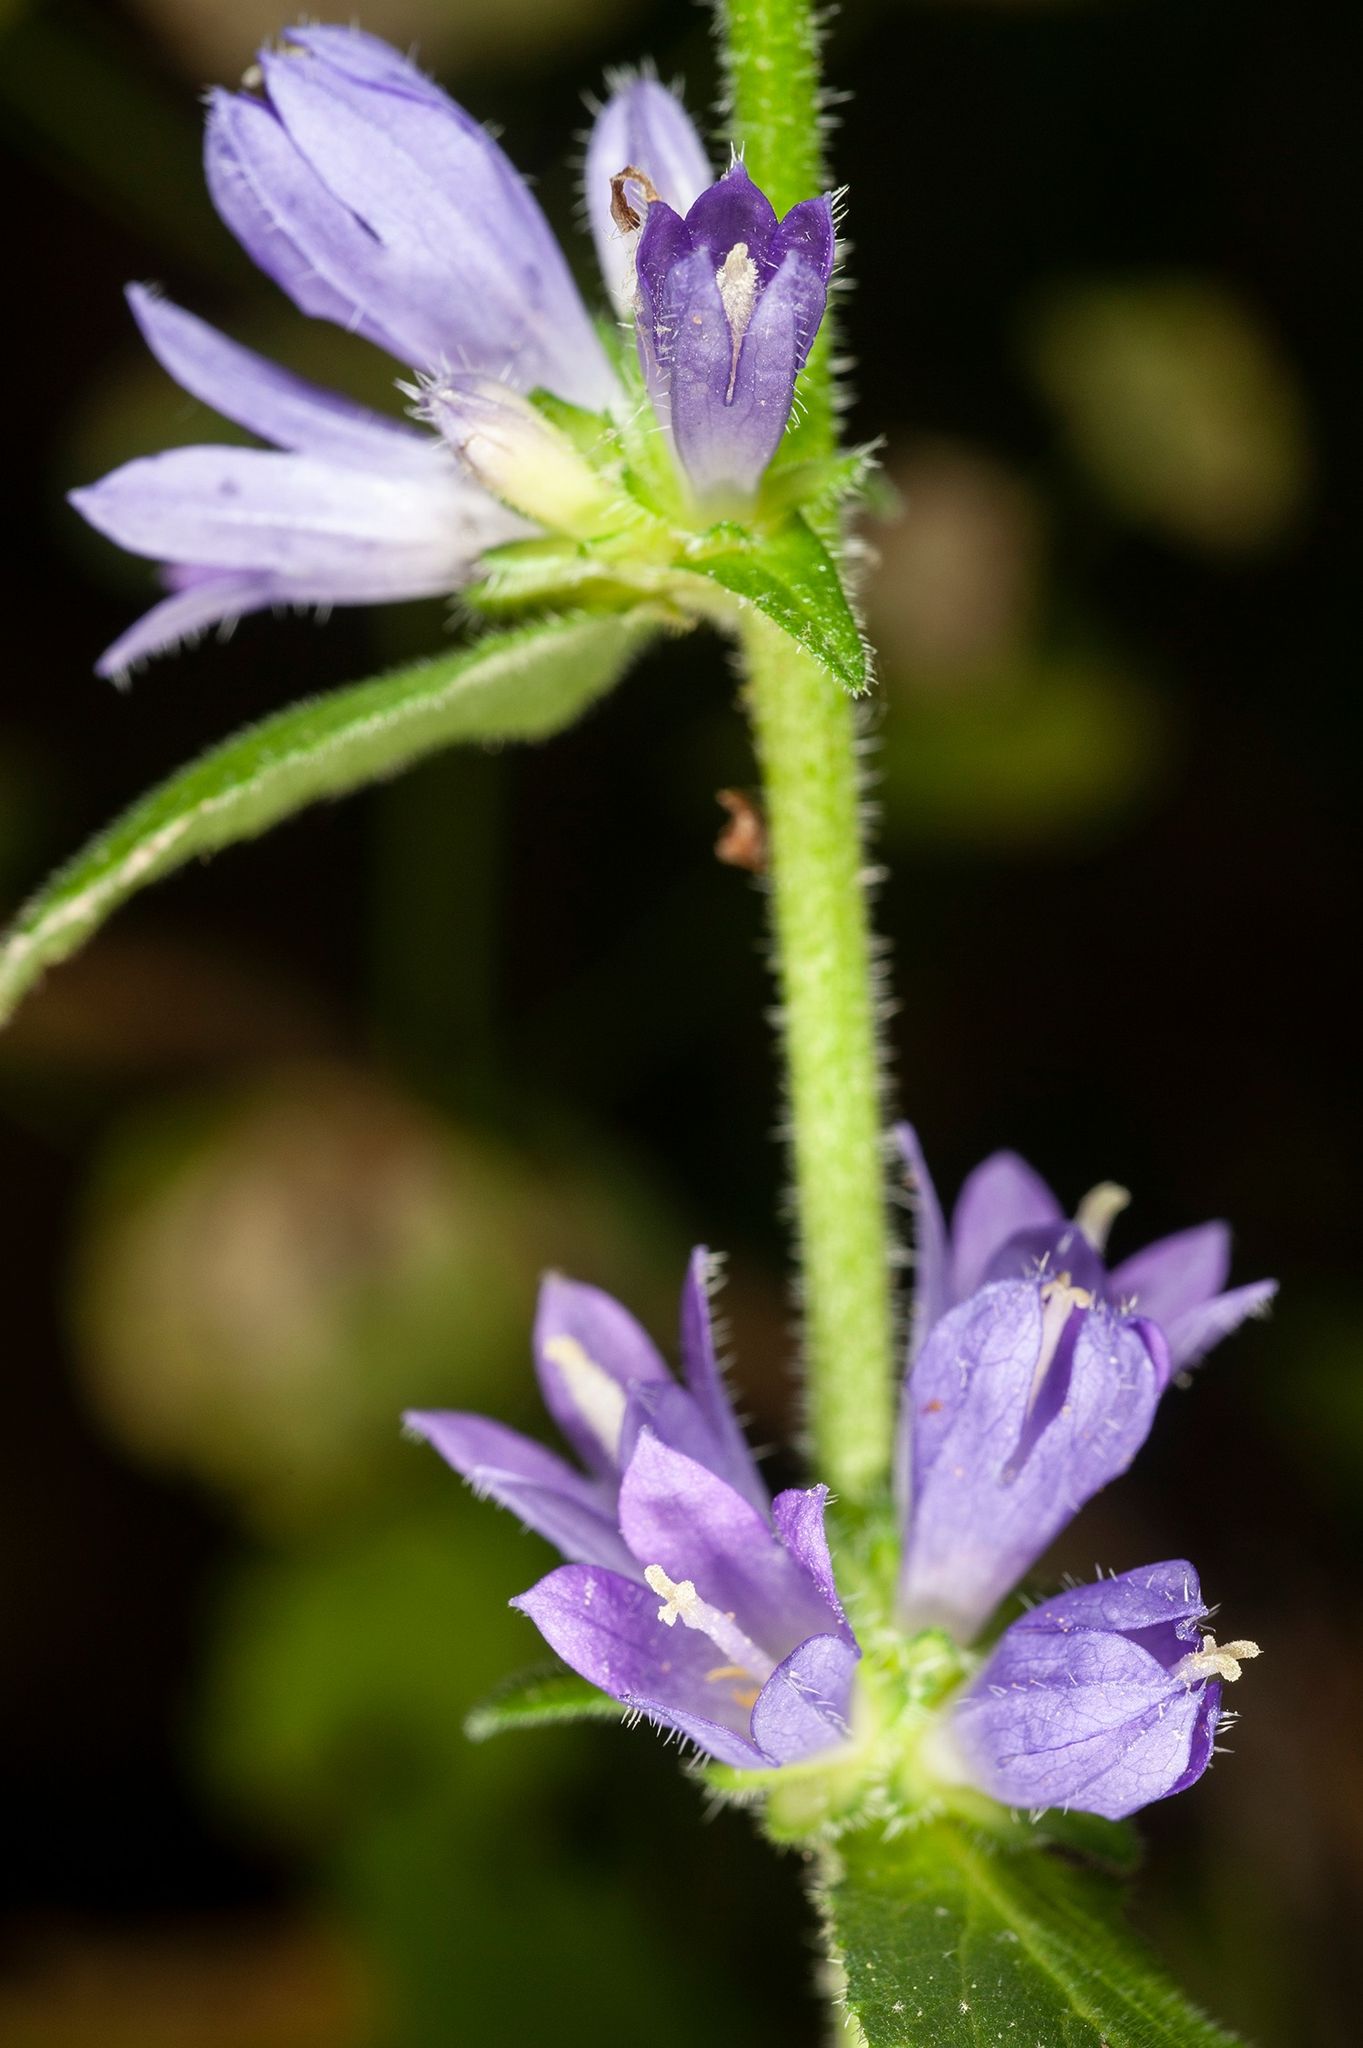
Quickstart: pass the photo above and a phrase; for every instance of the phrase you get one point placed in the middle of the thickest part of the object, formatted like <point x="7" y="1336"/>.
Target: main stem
<point x="804" y="728"/>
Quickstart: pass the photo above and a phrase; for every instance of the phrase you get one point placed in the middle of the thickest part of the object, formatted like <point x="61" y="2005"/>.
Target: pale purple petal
<point x="1001" y="1197"/>
<point x="675" y="1513"/>
<point x="644" y="125"/>
<point x="375" y="200"/>
<point x="731" y="1458"/>
<point x="931" y="1256"/>
<point x="216" y="600"/>
<point x="804" y="1706"/>
<point x="798" y="1514"/>
<point x="519" y="1474"/>
<point x="292" y="229"/>
<point x="607" y="1629"/>
<point x="1080" y="1704"/>
<point x="1175" y="1274"/>
<point x="273" y="403"/>
<point x="1192" y="1335"/>
<point x="589" y="1355"/>
<point x="1007" y="1443"/>
<point x="324" y="531"/>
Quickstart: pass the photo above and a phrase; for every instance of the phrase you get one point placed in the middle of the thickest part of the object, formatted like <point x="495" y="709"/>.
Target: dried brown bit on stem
<point x="625" y="216"/>
<point x="743" y="842"/>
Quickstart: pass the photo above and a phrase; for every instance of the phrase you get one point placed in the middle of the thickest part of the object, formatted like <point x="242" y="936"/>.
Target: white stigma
<point x="599" y="1399"/>
<point x="1213" y="1662"/>
<point x="737" y="281"/>
<point x="1099" y="1210"/>
<point x="682" y="1603"/>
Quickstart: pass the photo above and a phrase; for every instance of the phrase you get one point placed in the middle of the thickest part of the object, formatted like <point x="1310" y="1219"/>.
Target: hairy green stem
<point x="803" y="729"/>
<point x="805" y="734"/>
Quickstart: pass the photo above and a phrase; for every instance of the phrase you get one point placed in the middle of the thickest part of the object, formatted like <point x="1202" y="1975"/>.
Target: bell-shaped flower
<point x="1032" y="1382"/>
<point x="1103" y="1699"/>
<point x="1007" y="1224"/>
<point x="376" y="202"/>
<point x="1022" y="1404"/>
<point x="729" y="301"/>
<point x="665" y="1520"/>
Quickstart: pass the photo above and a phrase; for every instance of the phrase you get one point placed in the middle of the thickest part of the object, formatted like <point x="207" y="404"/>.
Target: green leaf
<point x="519" y="685"/>
<point x="791" y="578"/>
<point x="538" y="1698"/>
<point x="950" y="1940"/>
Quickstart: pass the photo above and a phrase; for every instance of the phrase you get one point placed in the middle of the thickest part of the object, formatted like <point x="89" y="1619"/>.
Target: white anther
<point x="598" y="1399"/>
<point x="1099" y="1210"/>
<point x="737" y="281"/>
<point x="678" y="1596"/>
<point x="1213" y="1662"/>
<point x="681" y="1602"/>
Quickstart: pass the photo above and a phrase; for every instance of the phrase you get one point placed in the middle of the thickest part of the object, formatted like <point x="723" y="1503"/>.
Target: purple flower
<point x="1033" y="1381"/>
<point x="1104" y="1699"/>
<point x="729" y="302"/>
<point x="665" y="1520"/>
<point x="1007" y="1224"/>
<point x="375" y="201"/>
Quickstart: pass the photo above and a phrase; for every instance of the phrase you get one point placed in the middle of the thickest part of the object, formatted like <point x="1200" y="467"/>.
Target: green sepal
<point x="946" y="1938"/>
<point x="824" y="484"/>
<point x="520" y="685"/>
<point x="531" y="574"/>
<point x="541" y="1698"/>
<point x="789" y="576"/>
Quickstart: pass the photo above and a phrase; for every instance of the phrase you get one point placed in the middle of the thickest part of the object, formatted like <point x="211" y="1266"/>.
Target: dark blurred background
<point x="285" y="1150"/>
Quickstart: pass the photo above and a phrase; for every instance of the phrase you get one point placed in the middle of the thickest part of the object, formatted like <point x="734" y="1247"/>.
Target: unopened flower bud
<point x="514" y="452"/>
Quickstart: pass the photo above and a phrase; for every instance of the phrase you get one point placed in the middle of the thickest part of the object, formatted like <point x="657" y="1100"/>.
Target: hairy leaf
<point x="791" y="578"/>
<point x="519" y="685"/>
<point x="950" y="1940"/>
<point x="538" y="1698"/>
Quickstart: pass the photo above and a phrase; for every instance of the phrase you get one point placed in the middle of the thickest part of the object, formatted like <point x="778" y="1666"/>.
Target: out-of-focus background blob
<point x="288" y="1148"/>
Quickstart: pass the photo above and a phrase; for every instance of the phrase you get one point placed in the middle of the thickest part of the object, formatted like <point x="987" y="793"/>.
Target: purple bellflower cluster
<point x="667" y="1521"/>
<point x="374" y="201"/>
<point x="1034" y="1376"/>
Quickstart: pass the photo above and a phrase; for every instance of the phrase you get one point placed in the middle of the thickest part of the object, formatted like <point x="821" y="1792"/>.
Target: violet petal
<point x="732" y="1459"/>
<point x="589" y="1353"/>
<point x="1192" y="1335"/>
<point x="519" y="1474"/>
<point x="1002" y="1196"/>
<point x="803" y="1708"/>
<point x="931" y="1256"/>
<point x="1080" y="1703"/>
<point x="1175" y="1274"/>
<point x="1007" y="1444"/>
<point x="799" y="1517"/>
<point x="675" y="1513"/>
<point x="731" y="211"/>
<point x="607" y="1629"/>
